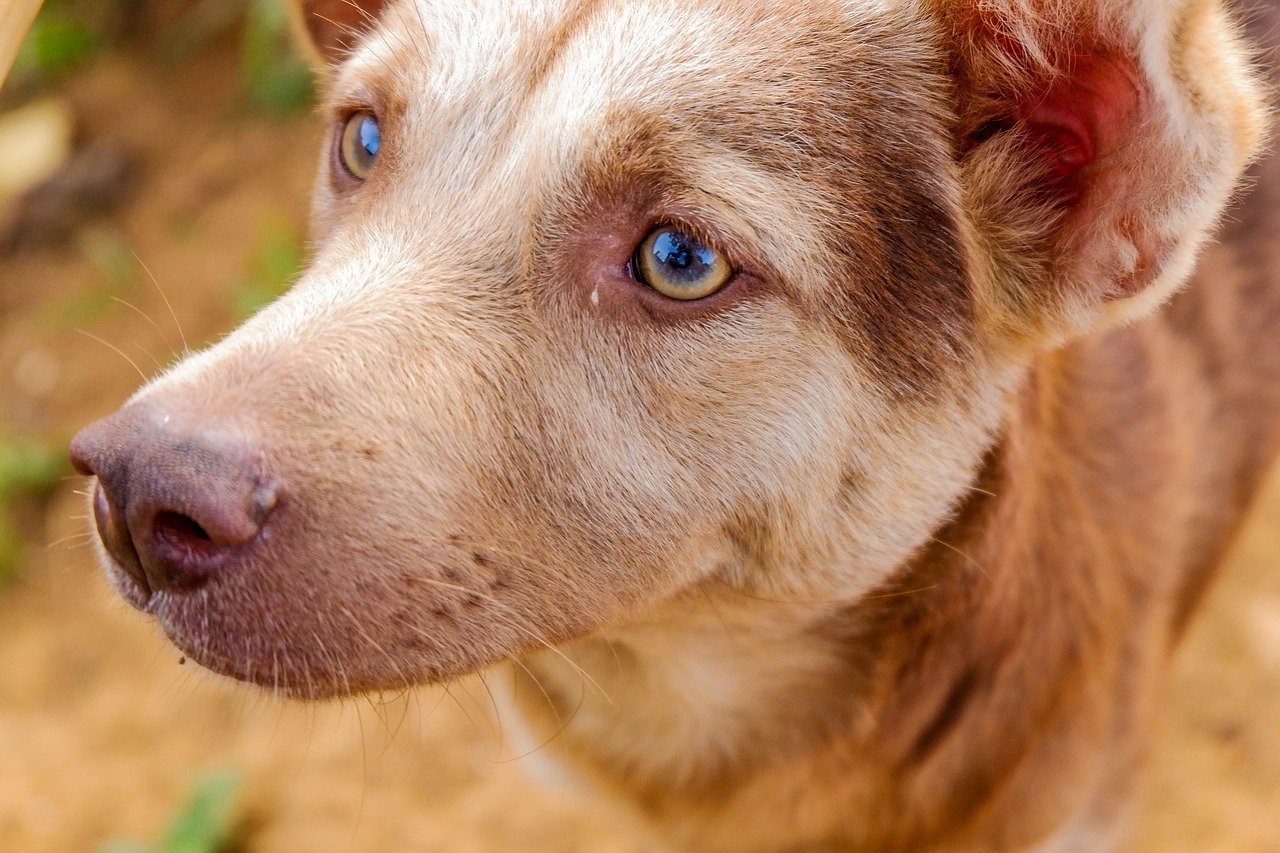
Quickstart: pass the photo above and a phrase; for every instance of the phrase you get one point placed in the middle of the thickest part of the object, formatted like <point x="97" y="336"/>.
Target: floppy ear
<point x="331" y="28"/>
<point x="1099" y="141"/>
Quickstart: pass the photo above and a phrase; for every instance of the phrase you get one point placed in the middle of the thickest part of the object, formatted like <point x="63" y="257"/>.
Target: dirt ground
<point x="102" y="731"/>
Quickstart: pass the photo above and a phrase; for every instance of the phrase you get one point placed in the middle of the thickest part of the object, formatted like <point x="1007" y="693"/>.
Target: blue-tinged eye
<point x="360" y="143"/>
<point x="679" y="265"/>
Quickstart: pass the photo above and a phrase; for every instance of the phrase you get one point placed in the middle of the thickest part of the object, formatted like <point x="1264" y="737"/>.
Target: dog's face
<point x="612" y="299"/>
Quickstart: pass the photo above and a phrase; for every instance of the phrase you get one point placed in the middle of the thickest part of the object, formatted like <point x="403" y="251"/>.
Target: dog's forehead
<point x="576" y="62"/>
<point x="795" y="133"/>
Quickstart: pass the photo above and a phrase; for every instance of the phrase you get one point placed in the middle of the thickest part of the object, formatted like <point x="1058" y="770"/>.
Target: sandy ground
<point x="102" y="730"/>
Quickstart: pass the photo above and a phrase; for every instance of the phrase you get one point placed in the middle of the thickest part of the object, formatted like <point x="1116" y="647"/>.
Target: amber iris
<point x="360" y="144"/>
<point x="679" y="265"/>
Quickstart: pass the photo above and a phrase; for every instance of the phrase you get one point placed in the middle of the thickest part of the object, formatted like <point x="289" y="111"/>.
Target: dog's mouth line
<point x="133" y="589"/>
<point x="281" y="681"/>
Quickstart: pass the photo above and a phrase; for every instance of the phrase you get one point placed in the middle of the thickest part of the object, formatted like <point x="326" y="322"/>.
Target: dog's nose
<point x="174" y="504"/>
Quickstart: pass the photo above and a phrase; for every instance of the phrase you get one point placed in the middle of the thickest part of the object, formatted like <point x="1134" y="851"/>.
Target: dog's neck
<point x="1009" y="602"/>
<point x="694" y="689"/>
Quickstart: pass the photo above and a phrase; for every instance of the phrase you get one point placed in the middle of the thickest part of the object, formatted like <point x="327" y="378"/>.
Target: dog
<point x="802" y="393"/>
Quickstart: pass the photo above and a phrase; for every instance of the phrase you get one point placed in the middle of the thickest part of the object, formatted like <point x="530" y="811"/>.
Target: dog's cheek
<point x="753" y="447"/>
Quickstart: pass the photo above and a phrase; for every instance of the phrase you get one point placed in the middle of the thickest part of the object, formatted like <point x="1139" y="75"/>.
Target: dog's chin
<point x="292" y="655"/>
<point x="286" y="674"/>
<point x="310" y="684"/>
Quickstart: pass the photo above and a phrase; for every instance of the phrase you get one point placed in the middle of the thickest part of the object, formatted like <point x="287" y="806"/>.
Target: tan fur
<point x="884" y="546"/>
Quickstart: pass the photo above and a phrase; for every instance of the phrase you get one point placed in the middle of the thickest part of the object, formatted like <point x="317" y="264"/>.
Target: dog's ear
<point x="1099" y="141"/>
<point x="331" y="28"/>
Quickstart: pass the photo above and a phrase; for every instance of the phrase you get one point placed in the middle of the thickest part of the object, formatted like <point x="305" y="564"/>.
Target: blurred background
<point x="155" y="163"/>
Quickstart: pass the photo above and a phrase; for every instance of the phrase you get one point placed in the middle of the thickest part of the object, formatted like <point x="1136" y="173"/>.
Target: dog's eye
<point x="360" y="143"/>
<point x="679" y="265"/>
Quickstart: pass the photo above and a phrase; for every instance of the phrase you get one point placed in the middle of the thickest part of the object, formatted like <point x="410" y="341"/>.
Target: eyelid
<point x="690" y="227"/>
<point x="344" y="104"/>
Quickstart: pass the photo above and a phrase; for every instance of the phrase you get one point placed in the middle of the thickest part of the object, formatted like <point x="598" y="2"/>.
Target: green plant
<point x="205" y="823"/>
<point x="56" y="45"/>
<point x="64" y="35"/>
<point x="68" y="33"/>
<point x="273" y="265"/>
<point x="29" y="470"/>
<point x="276" y="80"/>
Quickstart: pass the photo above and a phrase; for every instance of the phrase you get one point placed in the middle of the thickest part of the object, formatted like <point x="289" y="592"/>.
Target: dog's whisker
<point x="147" y="317"/>
<point x="116" y="350"/>
<point x="573" y="665"/>
<point x="968" y="559"/>
<point x="370" y="20"/>
<point x="72" y="541"/>
<point x="448" y="689"/>
<point x="146" y="352"/>
<point x="560" y="724"/>
<point x="391" y="660"/>
<point x="656" y="356"/>
<point x="493" y="703"/>
<point x="426" y="33"/>
<point x="493" y="728"/>
<point x="167" y="304"/>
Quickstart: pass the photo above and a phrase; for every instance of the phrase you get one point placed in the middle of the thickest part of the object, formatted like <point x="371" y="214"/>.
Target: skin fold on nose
<point x="176" y="501"/>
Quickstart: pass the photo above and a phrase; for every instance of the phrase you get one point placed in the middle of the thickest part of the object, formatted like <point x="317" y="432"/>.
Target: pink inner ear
<point x="1080" y="116"/>
<point x="336" y="25"/>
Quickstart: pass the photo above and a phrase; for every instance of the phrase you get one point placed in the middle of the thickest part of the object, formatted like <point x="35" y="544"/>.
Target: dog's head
<point x="613" y="298"/>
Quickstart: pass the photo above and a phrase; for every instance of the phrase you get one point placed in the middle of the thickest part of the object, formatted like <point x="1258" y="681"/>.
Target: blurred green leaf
<point x="64" y="35"/>
<point x="204" y="824"/>
<point x="60" y="44"/>
<point x="273" y="265"/>
<point x="10" y="549"/>
<point x="67" y="33"/>
<point x="276" y="80"/>
<point x="29" y="469"/>
<point x="56" y="45"/>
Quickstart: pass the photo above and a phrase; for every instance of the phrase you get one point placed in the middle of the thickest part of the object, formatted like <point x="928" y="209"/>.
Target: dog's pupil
<point x="682" y="254"/>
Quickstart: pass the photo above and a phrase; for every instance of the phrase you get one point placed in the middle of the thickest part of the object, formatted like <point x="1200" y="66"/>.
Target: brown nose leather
<point x="174" y="502"/>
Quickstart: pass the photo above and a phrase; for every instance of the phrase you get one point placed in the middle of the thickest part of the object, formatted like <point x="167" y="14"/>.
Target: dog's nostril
<point x="177" y="528"/>
<point x="115" y="537"/>
<point x="180" y="553"/>
<point x="102" y="514"/>
<point x="183" y="552"/>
